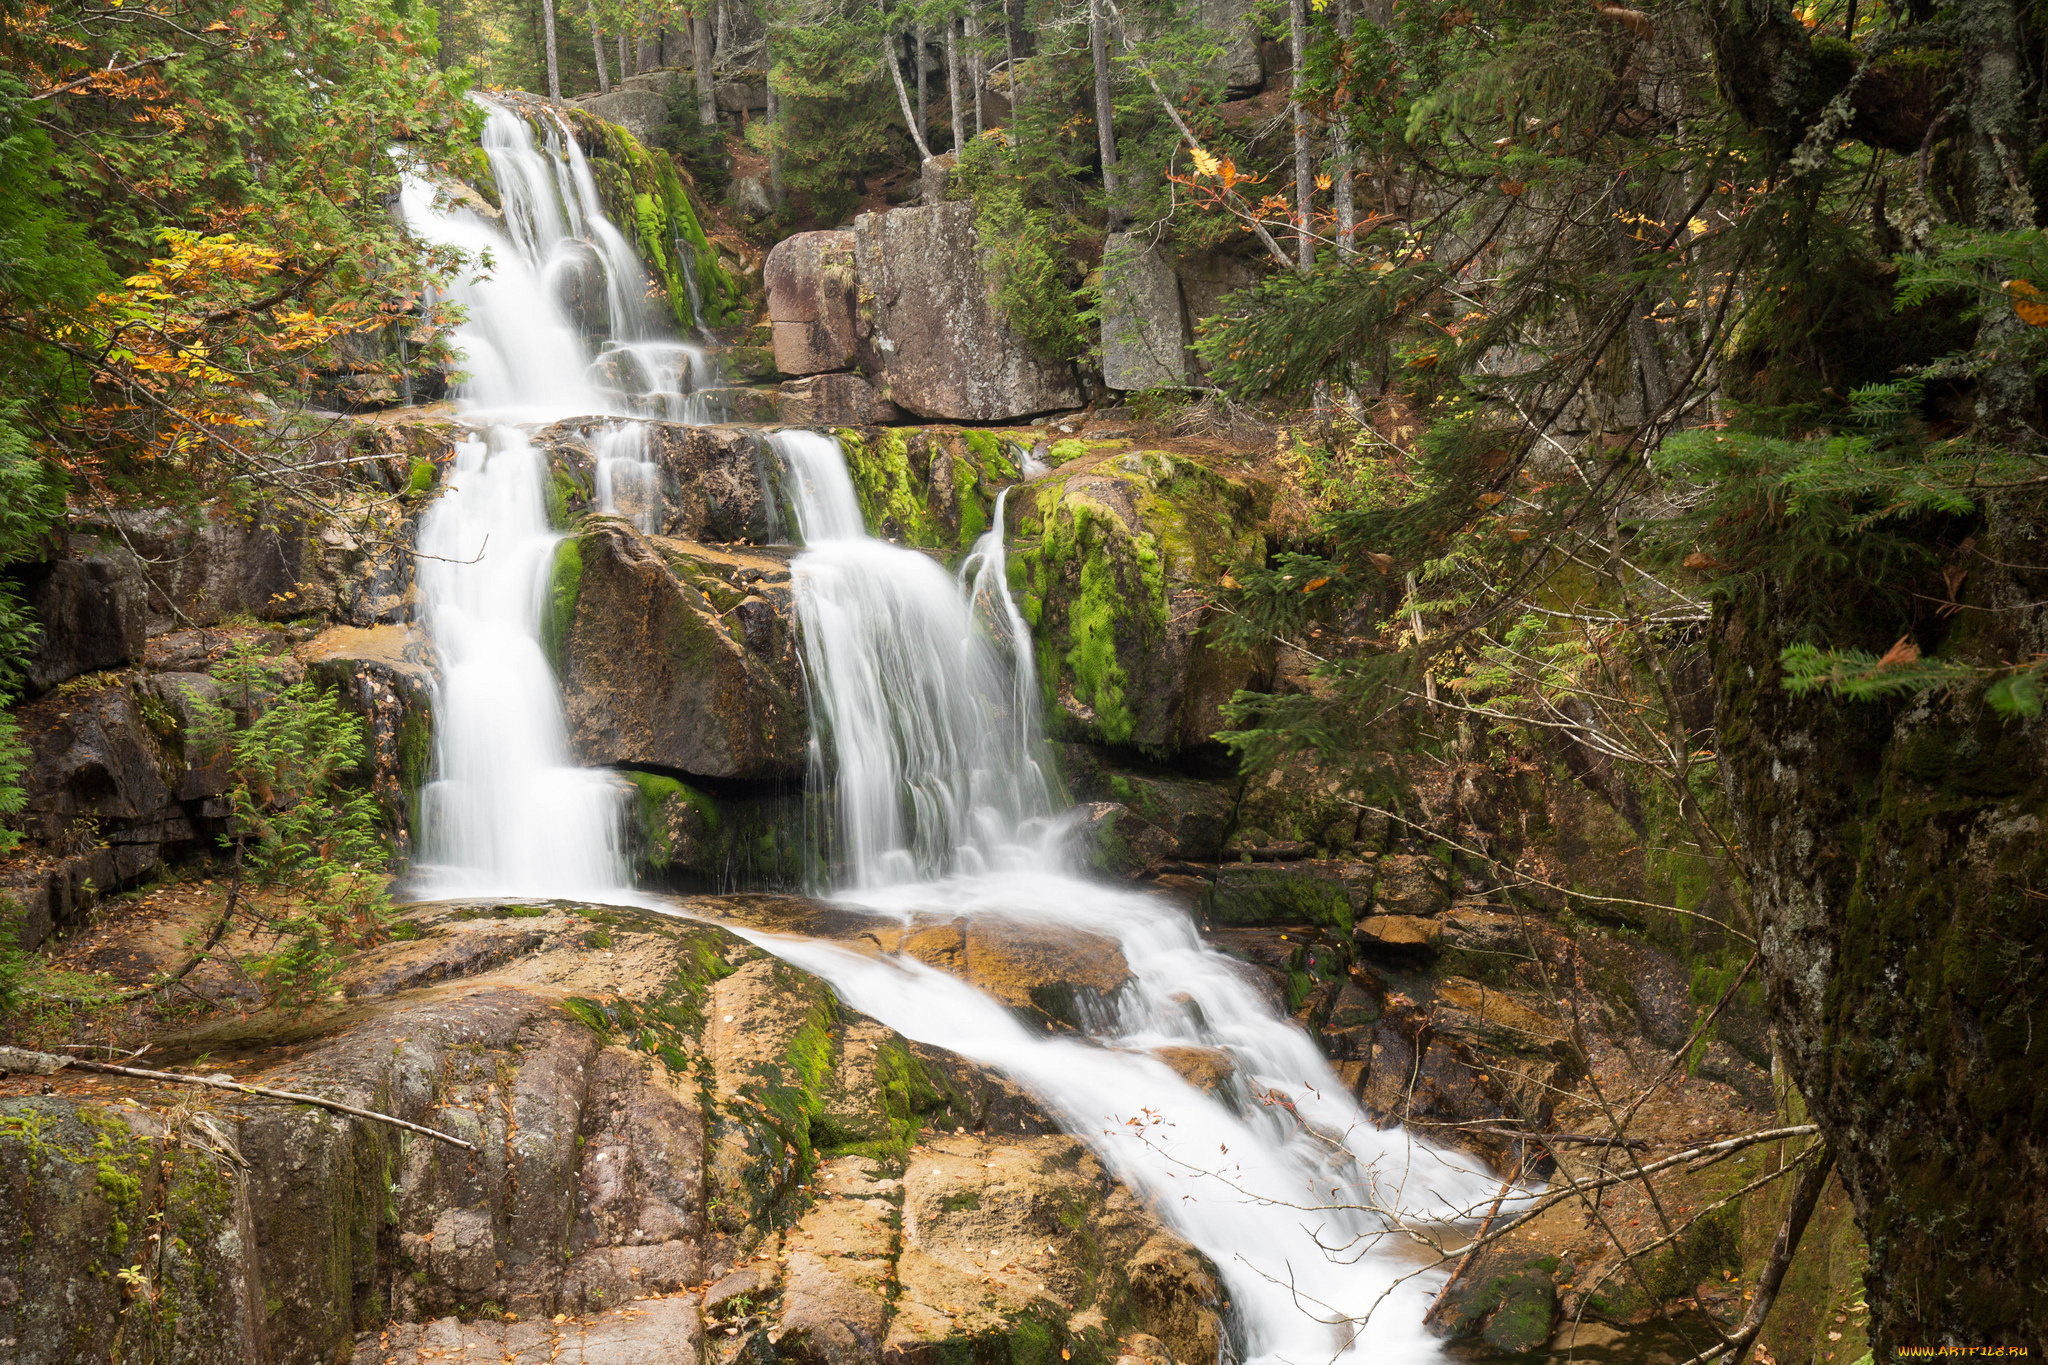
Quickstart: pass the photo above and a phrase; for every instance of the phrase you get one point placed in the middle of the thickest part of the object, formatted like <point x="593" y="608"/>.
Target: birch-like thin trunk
<point x="1340" y="162"/>
<point x="547" y="19"/>
<point x="923" y="95"/>
<point x="953" y="89"/>
<point x="700" y="56"/>
<point x="892" y="57"/>
<point x="1010" y="86"/>
<point x="975" y="71"/>
<point x="604" y="80"/>
<point x="1105" y="110"/>
<point x="1304" y="168"/>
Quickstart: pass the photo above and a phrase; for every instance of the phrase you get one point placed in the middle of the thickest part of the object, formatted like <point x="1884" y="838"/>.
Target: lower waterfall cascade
<point x="926" y="731"/>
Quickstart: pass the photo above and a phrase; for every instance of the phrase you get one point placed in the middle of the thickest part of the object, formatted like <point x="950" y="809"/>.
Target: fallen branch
<point x="1443" y="1295"/>
<point x="1805" y="1195"/>
<point x="1568" y="1139"/>
<point x="45" y="1063"/>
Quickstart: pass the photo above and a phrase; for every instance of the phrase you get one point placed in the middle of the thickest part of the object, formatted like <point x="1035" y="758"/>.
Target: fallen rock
<point x="934" y="339"/>
<point x="1398" y="934"/>
<point x="1306" y="892"/>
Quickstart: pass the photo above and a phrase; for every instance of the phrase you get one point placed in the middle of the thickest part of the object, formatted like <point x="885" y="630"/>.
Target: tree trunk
<point x="953" y="88"/>
<point x="1340" y="161"/>
<point x="975" y="70"/>
<point x="604" y="80"/>
<point x="625" y="68"/>
<point x="1105" y="110"/>
<point x="892" y="57"/>
<point x="547" y="20"/>
<point x="1304" y="167"/>
<point x="1010" y="86"/>
<point x="700" y="56"/>
<point x="923" y="95"/>
<point x="775" y="194"/>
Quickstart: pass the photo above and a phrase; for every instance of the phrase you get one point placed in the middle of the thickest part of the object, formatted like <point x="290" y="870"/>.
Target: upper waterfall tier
<point x="555" y="302"/>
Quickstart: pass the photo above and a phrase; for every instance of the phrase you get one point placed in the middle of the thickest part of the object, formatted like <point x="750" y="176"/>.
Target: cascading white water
<point x="926" y="716"/>
<point x="507" y="812"/>
<point x="933" y="764"/>
<point x="628" y="481"/>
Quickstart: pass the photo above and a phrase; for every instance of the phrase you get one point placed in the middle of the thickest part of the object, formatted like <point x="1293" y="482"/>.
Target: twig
<point x="1569" y="1139"/>
<point x="109" y="70"/>
<point x="1507" y="1183"/>
<point x="219" y="1083"/>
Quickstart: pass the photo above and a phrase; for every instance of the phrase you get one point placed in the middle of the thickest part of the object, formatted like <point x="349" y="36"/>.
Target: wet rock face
<point x="655" y="675"/>
<point x="932" y="338"/>
<point x="92" y="615"/>
<point x="717" y="482"/>
<point x="688" y="1151"/>
<point x="813" y="301"/>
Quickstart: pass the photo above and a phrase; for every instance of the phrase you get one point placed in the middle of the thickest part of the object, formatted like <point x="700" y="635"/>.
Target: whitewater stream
<point x="927" y="733"/>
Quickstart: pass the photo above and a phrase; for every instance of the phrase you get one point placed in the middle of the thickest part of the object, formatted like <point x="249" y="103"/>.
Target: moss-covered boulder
<point x="673" y="656"/>
<point x="1115" y="559"/>
<point x="931" y="487"/>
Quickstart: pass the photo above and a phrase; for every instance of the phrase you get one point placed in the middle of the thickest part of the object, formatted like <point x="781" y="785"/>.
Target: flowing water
<point x="926" y="732"/>
<point x="925" y="711"/>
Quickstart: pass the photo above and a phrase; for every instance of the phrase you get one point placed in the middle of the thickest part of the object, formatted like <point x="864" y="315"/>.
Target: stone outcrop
<point x="1144" y="327"/>
<point x="655" y="673"/>
<point x="813" y="302"/>
<point x="117" y="783"/>
<point x="932" y="337"/>
<point x="687" y="1151"/>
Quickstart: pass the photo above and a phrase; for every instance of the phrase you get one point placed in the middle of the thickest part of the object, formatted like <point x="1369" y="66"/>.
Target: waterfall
<point x="925" y="713"/>
<point x="508" y="812"/>
<point x="916" y="729"/>
<point x="926" y="730"/>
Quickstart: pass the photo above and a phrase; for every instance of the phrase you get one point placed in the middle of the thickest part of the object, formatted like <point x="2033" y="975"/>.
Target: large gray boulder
<point x="1234" y="25"/>
<point x="1144" y="326"/>
<point x="813" y="296"/>
<point x="935" y="340"/>
<point x="671" y="658"/>
<point x="640" y="112"/>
